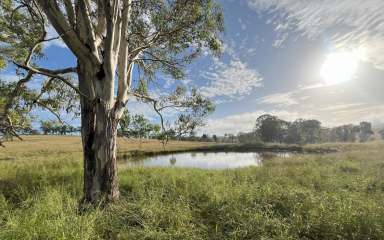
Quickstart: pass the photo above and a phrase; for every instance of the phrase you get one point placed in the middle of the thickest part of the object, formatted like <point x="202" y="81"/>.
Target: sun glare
<point x="340" y="67"/>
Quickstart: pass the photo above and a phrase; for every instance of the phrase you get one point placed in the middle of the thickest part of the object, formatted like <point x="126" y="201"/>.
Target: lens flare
<point x="340" y="67"/>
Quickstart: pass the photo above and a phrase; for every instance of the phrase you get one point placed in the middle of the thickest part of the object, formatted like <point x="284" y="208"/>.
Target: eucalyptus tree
<point x="113" y="42"/>
<point x="270" y="128"/>
<point x="365" y="131"/>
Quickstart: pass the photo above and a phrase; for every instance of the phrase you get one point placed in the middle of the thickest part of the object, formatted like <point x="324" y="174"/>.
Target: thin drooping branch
<point x="163" y="61"/>
<point x="136" y="52"/>
<point x="50" y="110"/>
<point x="155" y="108"/>
<point x="43" y="90"/>
<point x="154" y="104"/>
<point x="7" y="127"/>
<point x="6" y="123"/>
<point x="16" y="92"/>
<point x="38" y="102"/>
<point x="43" y="71"/>
<point x="155" y="38"/>
<point x="52" y="73"/>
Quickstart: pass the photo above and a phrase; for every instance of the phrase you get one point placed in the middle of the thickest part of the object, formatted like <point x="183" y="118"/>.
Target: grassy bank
<point x="33" y="145"/>
<point x="331" y="196"/>
<point x="40" y="146"/>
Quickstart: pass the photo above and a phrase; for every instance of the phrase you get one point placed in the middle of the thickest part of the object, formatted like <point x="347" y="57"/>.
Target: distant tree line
<point x="268" y="129"/>
<point x="50" y="127"/>
<point x="272" y="129"/>
<point x="132" y="126"/>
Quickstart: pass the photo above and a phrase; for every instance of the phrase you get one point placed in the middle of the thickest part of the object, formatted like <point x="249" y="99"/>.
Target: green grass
<point x="331" y="196"/>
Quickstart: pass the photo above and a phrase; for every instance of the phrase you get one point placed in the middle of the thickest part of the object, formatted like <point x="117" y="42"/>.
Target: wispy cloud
<point x="349" y="24"/>
<point x="338" y="114"/>
<point x="342" y="107"/>
<point x="233" y="80"/>
<point x="136" y="107"/>
<point x="280" y="99"/>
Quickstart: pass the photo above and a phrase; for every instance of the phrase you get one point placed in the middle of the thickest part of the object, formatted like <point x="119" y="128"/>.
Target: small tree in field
<point x="137" y="126"/>
<point x="113" y="41"/>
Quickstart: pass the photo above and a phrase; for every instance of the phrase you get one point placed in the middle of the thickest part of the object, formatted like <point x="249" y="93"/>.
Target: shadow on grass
<point x="28" y="185"/>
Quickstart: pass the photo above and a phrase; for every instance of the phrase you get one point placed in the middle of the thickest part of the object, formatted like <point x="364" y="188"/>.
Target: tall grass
<point x="332" y="196"/>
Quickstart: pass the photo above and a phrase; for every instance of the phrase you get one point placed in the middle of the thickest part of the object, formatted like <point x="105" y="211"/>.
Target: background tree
<point x="311" y="131"/>
<point x="214" y="137"/>
<point x="303" y="131"/>
<point x="270" y="128"/>
<point x="365" y="131"/>
<point x="46" y="127"/>
<point x="139" y="127"/>
<point x="344" y="133"/>
<point x="204" y="138"/>
<point x="251" y="137"/>
<point x="56" y="127"/>
<point x="381" y="132"/>
<point x="110" y="40"/>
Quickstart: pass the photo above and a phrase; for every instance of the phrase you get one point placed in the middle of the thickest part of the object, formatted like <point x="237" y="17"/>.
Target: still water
<point x="207" y="160"/>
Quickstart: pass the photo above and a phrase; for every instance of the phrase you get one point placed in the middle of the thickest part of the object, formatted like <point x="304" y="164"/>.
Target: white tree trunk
<point x="99" y="135"/>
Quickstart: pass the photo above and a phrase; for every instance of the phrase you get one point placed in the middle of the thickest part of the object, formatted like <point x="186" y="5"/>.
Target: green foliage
<point x="168" y="34"/>
<point x="365" y="131"/>
<point x="304" y="131"/>
<point x="195" y="108"/>
<point x="271" y="128"/>
<point x="56" y="127"/>
<point x="137" y="126"/>
<point x="334" y="196"/>
<point x="184" y="28"/>
<point x="18" y="32"/>
<point x="14" y="115"/>
<point x="192" y="109"/>
<point x="17" y="102"/>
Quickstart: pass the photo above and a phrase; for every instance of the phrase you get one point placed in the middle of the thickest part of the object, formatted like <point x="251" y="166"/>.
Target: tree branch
<point x="50" y="110"/>
<point x="57" y="71"/>
<point x="70" y="12"/>
<point x="51" y="73"/>
<point x="124" y="68"/>
<point x="66" y="32"/>
<point x="101" y="22"/>
<point x="90" y="32"/>
<point x="154" y="102"/>
<point x="16" y="92"/>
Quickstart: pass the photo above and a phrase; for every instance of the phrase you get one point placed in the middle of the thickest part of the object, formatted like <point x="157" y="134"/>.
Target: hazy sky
<point x="293" y="58"/>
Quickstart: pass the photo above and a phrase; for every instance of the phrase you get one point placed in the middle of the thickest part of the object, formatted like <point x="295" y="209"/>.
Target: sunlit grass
<point x="332" y="196"/>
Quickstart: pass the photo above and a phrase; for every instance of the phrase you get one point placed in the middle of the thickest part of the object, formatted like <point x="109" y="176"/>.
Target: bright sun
<point x="339" y="67"/>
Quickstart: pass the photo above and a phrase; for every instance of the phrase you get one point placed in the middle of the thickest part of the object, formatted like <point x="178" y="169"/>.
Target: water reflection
<point x="172" y="161"/>
<point x="207" y="160"/>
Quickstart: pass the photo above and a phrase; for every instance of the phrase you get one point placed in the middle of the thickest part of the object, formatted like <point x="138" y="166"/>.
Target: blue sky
<point x="274" y="51"/>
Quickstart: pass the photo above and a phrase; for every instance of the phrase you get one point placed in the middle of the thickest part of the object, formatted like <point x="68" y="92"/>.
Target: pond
<point x="207" y="160"/>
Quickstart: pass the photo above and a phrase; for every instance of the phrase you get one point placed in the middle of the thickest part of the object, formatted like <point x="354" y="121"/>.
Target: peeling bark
<point x="99" y="135"/>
